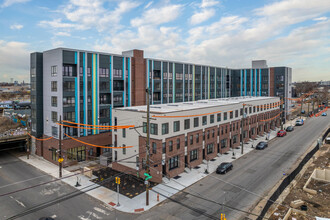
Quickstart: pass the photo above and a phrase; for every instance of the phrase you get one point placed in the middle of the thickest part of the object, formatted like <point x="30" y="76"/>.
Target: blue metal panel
<point x="110" y="76"/>
<point x="173" y="83"/>
<point x="76" y="98"/>
<point x="124" y="78"/>
<point x="241" y="82"/>
<point x="129" y="81"/>
<point x="148" y="83"/>
<point x="161" y="83"/>
<point x="152" y="82"/>
<point x="259" y="82"/>
<point x="255" y="82"/>
<point x="244" y="82"/>
<point x="84" y="98"/>
<point x="251" y="82"/>
<point x="75" y="57"/>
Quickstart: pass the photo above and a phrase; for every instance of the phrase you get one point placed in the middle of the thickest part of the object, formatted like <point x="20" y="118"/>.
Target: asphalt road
<point x="80" y="206"/>
<point x="253" y="176"/>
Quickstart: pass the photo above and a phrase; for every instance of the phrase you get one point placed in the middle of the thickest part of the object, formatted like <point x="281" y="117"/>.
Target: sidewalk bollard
<point x="157" y="197"/>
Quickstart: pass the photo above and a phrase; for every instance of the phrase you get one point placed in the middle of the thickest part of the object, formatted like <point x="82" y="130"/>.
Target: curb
<point x="139" y="210"/>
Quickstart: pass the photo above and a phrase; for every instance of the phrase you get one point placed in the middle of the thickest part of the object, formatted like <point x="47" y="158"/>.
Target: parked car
<point x="281" y="133"/>
<point x="261" y="145"/>
<point x="324" y="114"/>
<point x="303" y="112"/>
<point x="299" y="122"/>
<point x="290" y="128"/>
<point x="224" y="167"/>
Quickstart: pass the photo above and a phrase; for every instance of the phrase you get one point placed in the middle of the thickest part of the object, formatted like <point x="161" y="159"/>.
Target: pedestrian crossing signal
<point x="117" y="180"/>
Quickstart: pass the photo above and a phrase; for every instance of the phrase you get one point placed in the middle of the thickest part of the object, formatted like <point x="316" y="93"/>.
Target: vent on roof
<point x="172" y="105"/>
<point x="134" y="109"/>
<point x="187" y="103"/>
<point x="155" y="107"/>
<point x="201" y="102"/>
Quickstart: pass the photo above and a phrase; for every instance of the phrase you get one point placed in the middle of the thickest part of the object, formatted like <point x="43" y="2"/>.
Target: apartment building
<point x="184" y="134"/>
<point x="86" y="86"/>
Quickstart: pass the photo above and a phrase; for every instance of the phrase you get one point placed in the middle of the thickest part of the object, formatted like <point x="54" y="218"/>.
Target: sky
<point x="225" y="33"/>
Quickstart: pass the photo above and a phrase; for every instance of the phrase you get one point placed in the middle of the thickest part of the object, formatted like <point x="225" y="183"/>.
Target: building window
<point x="208" y="134"/>
<point x="154" y="148"/>
<point x="209" y="148"/>
<point x="124" y="149"/>
<point x="165" y="128"/>
<point x="234" y="139"/>
<point x="54" y="131"/>
<point x="53" y="71"/>
<point x="211" y="119"/>
<point x="219" y="117"/>
<point x="154" y="129"/>
<point x="225" y="116"/>
<point x="69" y="86"/>
<point x="193" y="155"/>
<point x="69" y="101"/>
<point x="236" y="113"/>
<point x="176" y="126"/>
<point x="254" y="109"/>
<point x="186" y="124"/>
<point x="104" y="72"/>
<point x="144" y="127"/>
<point x="178" y="143"/>
<point x="223" y="143"/>
<point x="196" y="122"/>
<point x="164" y="147"/>
<point x="231" y="114"/>
<point x="173" y="162"/>
<point x="197" y="138"/>
<point x="54" y="101"/>
<point x="204" y="120"/>
<point x="54" y="86"/>
<point x="191" y="137"/>
<point x="54" y="116"/>
<point x="124" y="132"/>
<point x="213" y="133"/>
<point x="70" y="116"/>
<point x="170" y="146"/>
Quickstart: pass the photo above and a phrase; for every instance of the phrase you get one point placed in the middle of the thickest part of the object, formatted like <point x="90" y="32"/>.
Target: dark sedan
<point x="290" y="128"/>
<point x="261" y="145"/>
<point x="224" y="168"/>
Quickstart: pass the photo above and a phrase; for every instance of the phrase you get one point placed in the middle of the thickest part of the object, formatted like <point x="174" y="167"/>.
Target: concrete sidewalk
<point x="168" y="188"/>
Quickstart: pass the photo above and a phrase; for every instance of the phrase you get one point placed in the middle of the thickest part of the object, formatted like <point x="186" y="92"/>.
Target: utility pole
<point x="28" y="140"/>
<point x="301" y="105"/>
<point x="242" y="130"/>
<point x="148" y="146"/>
<point x="308" y="110"/>
<point x="60" y="160"/>
<point x="281" y="109"/>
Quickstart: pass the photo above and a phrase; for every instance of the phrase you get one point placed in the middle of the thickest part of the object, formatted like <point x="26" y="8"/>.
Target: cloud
<point x="157" y="16"/>
<point x="320" y="19"/>
<point x="7" y="3"/>
<point x="148" y="5"/>
<point x="16" y="26"/>
<point x="205" y="13"/>
<point x="87" y="14"/>
<point x="63" y="34"/>
<point x="14" y="60"/>
<point x="202" y="16"/>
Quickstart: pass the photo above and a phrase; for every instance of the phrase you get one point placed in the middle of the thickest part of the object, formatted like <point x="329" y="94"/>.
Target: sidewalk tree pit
<point x="130" y="185"/>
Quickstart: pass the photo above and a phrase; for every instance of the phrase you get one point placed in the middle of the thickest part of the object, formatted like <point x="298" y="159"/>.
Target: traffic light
<point x="117" y="180"/>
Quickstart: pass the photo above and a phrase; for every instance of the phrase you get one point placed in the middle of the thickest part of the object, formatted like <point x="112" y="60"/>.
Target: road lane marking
<point x="101" y="211"/>
<point x="19" y="202"/>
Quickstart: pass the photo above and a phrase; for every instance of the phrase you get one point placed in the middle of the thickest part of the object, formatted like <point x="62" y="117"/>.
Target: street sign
<point x="147" y="176"/>
<point x="146" y="182"/>
<point x="60" y="160"/>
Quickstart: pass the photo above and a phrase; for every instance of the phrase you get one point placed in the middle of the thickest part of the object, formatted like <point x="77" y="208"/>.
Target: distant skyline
<point x="232" y="33"/>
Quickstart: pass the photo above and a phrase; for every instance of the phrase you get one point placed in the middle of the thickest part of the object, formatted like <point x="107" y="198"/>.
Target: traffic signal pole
<point x="60" y="148"/>
<point x="148" y="146"/>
